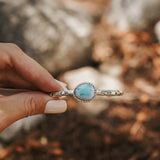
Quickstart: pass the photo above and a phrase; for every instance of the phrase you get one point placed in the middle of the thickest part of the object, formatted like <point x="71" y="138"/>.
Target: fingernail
<point x="62" y="84"/>
<point x="55" y="106"/>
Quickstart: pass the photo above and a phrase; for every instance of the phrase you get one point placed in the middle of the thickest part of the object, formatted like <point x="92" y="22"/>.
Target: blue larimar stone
<point x="85" y="92"/>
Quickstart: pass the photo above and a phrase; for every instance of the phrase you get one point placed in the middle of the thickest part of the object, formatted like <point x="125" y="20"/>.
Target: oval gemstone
<point x="85" y="92"/>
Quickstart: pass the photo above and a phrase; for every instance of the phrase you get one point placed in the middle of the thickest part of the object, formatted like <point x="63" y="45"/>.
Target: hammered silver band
<point x="85" y="92"/>
<point x="98" y="92"/>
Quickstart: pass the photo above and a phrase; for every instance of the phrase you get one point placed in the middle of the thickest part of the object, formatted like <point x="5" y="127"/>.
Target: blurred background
<point x="112" y="43"/>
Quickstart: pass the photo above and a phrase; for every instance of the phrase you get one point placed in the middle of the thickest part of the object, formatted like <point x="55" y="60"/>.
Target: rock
<point x="19" y="127"/>
<point x="57" y="35"/>
<point x="137" y="14"/>
<point x="157" y="30"/>
<point x="96" y="7"/>
<point x="93" y="108"/>
<point x="101" y="80"/>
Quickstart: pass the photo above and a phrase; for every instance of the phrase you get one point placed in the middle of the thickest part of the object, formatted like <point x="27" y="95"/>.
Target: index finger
<point x="30" y="70"/>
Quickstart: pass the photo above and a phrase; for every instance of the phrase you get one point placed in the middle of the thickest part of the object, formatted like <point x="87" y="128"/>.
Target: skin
<point x="31" y="80"/>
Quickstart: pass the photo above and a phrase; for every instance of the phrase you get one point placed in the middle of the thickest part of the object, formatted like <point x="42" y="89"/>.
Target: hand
<point x="31" y="80"/>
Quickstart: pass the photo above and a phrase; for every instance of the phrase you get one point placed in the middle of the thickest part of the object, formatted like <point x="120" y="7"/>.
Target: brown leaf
<point x="7" y="151"/>
<point x="122" y="112"/>
<point x="144" y="98"/>
<point x="56" y="151"/>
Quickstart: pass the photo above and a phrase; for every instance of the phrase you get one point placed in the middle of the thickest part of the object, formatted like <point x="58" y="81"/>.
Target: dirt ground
<point x="124" y="131"/>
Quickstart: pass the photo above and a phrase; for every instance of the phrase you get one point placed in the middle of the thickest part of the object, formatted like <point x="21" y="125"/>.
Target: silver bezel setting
<point x="82" y="100"/>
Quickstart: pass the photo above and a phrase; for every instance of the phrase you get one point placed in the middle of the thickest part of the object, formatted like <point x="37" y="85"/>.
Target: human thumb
<point x="24" y="104"/>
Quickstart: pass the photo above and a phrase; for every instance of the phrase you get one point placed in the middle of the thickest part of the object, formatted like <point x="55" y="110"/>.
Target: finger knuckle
<point x="15" y="48"/>
<point x="30" y="106"/>
<point x="13" y="45"/>
<point x="5" y="60"/>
